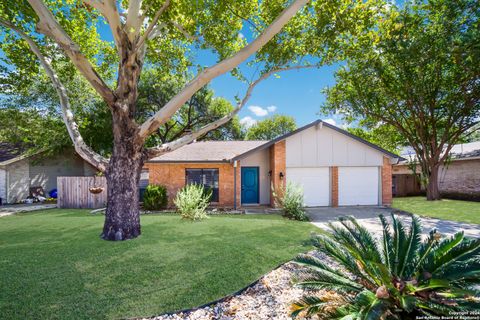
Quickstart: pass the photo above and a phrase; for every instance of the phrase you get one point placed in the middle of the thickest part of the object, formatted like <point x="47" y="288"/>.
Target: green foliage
<point x="290" y="199"/>
<point x="155" y="197"/>
<point x="271" y="128"/>
<point x="73" y="271"/>
<point x="398" y="276"/>
<point x="417" y="71"/>
<point x="192" y="202"/>
<point x="385" y="136"/>
<point x="201" y="109"/>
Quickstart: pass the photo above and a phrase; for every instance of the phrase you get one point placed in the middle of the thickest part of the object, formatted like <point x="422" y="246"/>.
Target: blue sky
<point x="296" y="93"/>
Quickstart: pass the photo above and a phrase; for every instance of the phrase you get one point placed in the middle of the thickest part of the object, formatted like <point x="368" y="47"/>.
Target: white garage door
<point x="315" y="183"/>
<point x="358" y="186"/>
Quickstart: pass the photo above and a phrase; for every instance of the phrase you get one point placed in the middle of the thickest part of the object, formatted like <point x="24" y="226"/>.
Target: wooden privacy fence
<point x="73" y="192"/>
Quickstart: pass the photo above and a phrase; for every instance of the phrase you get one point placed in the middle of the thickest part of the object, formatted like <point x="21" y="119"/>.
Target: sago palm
<point x="398" y="276"/>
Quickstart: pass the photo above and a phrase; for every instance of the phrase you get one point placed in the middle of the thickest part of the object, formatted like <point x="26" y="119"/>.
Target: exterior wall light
<point x="281" y="175"/>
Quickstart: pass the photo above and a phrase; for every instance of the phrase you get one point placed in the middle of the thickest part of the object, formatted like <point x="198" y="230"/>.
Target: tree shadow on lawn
<point x="69" y="272"/>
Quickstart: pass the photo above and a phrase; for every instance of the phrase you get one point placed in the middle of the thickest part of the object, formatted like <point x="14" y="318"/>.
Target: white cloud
<point x="272" y="109"/>
<point x="258" y="111"/>
<point x="330" y="121"/>
<point x="247" y="121"/>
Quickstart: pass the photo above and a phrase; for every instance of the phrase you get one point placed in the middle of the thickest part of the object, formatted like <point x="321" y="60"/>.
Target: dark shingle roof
<point x="9" y="151"/>
<point x="209" y="151"/>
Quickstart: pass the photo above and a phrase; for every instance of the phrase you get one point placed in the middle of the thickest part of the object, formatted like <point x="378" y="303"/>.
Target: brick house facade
<point x="458" y="179"/>
<point x="334" y="165"/>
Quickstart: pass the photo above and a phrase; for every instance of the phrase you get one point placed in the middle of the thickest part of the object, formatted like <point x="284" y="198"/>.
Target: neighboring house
<point x="20" y="172"/>
<point x="459" y="178"/>
<point x="334" y="167"/>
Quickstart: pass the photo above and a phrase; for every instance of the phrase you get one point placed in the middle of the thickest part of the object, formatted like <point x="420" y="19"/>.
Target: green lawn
<point x="54" y="265"/>
<point x="457" y="210"/>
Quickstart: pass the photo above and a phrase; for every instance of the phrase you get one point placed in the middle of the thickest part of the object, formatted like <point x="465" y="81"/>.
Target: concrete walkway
<point x="17" y="208"/>
<point x="368" y="217"/>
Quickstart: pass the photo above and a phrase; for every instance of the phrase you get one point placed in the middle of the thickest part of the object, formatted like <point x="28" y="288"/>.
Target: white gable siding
<point x="260" y="159"/>
<point x="44" y="173"/>
<point x="3" y="185"/>
<point x="18" y="182"/>
<point x="321" y="146"/>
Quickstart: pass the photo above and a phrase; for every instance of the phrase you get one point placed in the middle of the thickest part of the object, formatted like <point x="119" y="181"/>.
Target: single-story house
<point x="334" y="167"/>
<point x="459" y="178"/>
<point x="19" y="171"/>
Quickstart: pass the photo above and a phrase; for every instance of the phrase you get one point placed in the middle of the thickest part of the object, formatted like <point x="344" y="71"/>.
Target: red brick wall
<point x="386" y="182"/>
<point x="334" y="185"/>
<point x="172" y="175"/>
<point x="277" y="165"/>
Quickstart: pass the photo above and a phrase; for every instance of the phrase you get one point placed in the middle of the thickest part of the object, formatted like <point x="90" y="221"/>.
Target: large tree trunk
<point x="122" y="217"/>
<point x="433" y="193"/>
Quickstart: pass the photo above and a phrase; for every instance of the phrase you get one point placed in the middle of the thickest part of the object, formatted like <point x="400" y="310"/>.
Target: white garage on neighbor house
<point x="334" y="167"/>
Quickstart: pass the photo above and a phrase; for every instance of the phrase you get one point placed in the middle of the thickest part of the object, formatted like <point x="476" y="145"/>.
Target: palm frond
<point x="366" y="239"/>
<point x="335" y="251"/>
<point x="314" y="263"/>
<point x="464" y="251"/>
<point x="386" y="242"/>
<point x="321" y="279"/>
<point x="410" y="248"/>
<point x="399" y="237"/>
<point x="308" y="304"/>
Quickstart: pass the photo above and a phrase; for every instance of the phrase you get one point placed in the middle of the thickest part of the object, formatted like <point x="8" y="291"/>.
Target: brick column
<point x="277" y="165"/>
<point x="334" y="185"/>
<point x="386" y="182"/>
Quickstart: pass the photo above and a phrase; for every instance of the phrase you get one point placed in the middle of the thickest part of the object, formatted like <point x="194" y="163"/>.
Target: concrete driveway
<point x="368" y="217"/>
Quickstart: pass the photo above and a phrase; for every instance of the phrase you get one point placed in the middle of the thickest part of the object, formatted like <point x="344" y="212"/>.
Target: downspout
<point x="235" y="185"/>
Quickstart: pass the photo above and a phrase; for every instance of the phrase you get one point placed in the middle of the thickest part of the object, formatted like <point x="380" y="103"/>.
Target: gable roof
<point x="466" y="150"/>
<point x="9" y="151"/>
<point x="462" y="151"/>
<point x="209" y="151"/>
<point x="229" y="151"/>
<point x="328" y="125"/>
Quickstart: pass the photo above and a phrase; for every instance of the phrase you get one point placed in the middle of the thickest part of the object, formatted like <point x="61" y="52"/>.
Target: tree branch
<point x="183" y="31"/>
<point x="204" y="77"/>
<point x="152" y="24"/>
<point x="186" y="139"/>
<point x="51" y="28"/>
<point x="108" y="9"/>
<point x="81" y="147"/>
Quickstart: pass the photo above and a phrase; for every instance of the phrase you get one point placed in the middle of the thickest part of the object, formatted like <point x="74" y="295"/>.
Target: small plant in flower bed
<point x="155" y="197"/>
<point x="192" y="202"/>
<point x="290" y="199"/>
<point x="397" y="277"/>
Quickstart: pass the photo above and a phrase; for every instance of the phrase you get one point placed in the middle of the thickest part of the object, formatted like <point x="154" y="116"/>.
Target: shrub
<point x="155" y="197"/>
<point x="192" y="201"/>
<point x="397" y="276"/>
<point x="290" y="199"/>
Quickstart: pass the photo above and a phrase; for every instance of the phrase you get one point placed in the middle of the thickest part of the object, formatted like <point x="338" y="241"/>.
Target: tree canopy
<point x="271" y="128"/>
<point x="418" y="73"/>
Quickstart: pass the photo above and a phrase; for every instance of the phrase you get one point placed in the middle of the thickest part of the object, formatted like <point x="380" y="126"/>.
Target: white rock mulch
<point x="270" y="298"/>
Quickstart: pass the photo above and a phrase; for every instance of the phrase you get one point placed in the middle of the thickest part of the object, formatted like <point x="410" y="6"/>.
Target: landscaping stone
<point x="269" y="298"/>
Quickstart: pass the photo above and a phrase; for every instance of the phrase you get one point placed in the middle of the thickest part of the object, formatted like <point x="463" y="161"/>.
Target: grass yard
<point x="457" y="210"/>
<point x="54" y="265"/>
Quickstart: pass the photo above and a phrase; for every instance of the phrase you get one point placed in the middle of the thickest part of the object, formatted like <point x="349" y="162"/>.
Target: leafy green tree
<point x="271" y="128"/>
<point x="419" y="73"/>
<point x="384" y="136"/>
<point x="63" y="38"/>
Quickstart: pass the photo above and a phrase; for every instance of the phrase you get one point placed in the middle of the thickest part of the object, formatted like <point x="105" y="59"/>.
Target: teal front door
<point x="250" y="185"/>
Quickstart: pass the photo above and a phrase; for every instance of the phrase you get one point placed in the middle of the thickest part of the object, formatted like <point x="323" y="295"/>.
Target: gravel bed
<point x="270" y="298"/>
